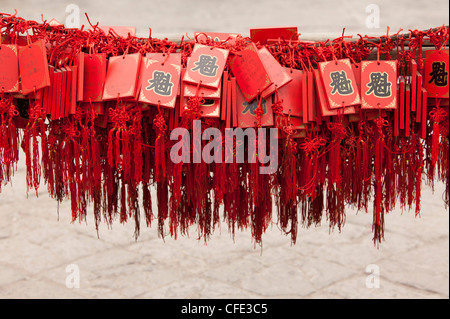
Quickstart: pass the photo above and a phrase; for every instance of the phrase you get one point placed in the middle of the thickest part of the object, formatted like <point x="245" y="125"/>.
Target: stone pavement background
<point x="37" y="244"/>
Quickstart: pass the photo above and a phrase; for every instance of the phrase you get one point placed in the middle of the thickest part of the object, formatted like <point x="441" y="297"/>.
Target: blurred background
<point x="44" y="255"/>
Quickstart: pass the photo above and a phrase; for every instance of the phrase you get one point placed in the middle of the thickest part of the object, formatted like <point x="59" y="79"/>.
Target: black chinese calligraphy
<point x="379" y="85"/>
<point x="206" y="65"/>
<point x="251" y="107"/>
<point x="340" y="83"/>
<point x="160" y="83"/>
<point x="438" y="74"/>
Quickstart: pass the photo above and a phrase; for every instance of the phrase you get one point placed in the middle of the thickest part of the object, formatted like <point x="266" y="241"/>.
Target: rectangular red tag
<point x="246" y="111"/>
<point x="223" y="103"/>
<point x="339" y="83"/>
<point x="229" y="102"/>
<point x="56" y="94"/>
<point x="311" y="101"/>
<point x="176" y="115"/>
<point x="424" y="112"/>
<point x="291" y="94"/>
<point x="322" y="100"/>
<point x="68" y="91"/>
<point x="94" y="76"/>
<point x="250" y="73"/>
<point x="436" y="71"/>
<point x="160" y="80"/>
<point x="205" y="66"/>
<point x="278" y="74"/>
<point x="121" y="76"/>
<point x="261" y="35"/>
<point x="9" y="68"/>
<point x="52" y="91"/>
<point x="413" y="85"/>
<point x="33" y="67"/>
<point x="378" y="84"/>
<point x="48" y="91"/>
<point x="79" y="62"/>
<point x="73" y="89"/>
<point x="234" y="101"/>
<point x="402" y="103"/>
<point x="62" y="109"/>
<point x="419" y="98"/>
<point x="305" y="97"/>
<point x="408" y="110"/>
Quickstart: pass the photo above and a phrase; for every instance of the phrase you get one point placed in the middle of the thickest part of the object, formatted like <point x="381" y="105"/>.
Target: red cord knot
<point x="119" y="117"/>
<point x="71" y="131"/>
<point x="338" y="130"/>
<point x="160" y="123"/>
<point x="36" y="112"/>
<point x="380" y="122"/>
<point x="312" y="146"/>
<point x="438" y="114"/>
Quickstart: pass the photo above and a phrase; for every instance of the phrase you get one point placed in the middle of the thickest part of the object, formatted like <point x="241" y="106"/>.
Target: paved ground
<point x="38" y="247"/>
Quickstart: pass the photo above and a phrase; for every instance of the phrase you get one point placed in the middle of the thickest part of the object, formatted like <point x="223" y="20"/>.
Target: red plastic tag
<point x="311" y="99"/>
<point x="402" y="103"/>
<point x="51" y="92"/>
<point x="419" y="98"/>
<point x="261" y="35"/>
<point x="68" y="91"/>
<point x="324" y="107"/>
<point x="378" y="84"/>
<point x="246" y="111"/>
<point x="339" y="83"/>
<point x="176" y="113"/>
<point x="94" y="76"/>
<point x="205" y="66"/>
<point x="424" y="112"/>
<point x="413" y="84"/>
<point x="279" y="75"/>
<point x="436" y="73"/>
<point x="291" y="94"/>
<point x="250" y="73"/>
<point x="223" y="103"/>
<point x="407" y="109"/>
<point x="305" y="97"/>
<point x="229" y="102"/>
<point x="47" y="105"/>
<point x="234" y="112"/>
<point x="160" y="80"/>
<point x="56" y="94"/>
<point x="9" y="68"/>
<point x="63" y="98"/>
<point x="79" y="62"/>
<point x="121" y="76"/>
<point x="33" y="67"/>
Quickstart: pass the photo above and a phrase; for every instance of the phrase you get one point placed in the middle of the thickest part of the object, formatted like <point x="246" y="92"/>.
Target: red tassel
<point x="160" y="146"/>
